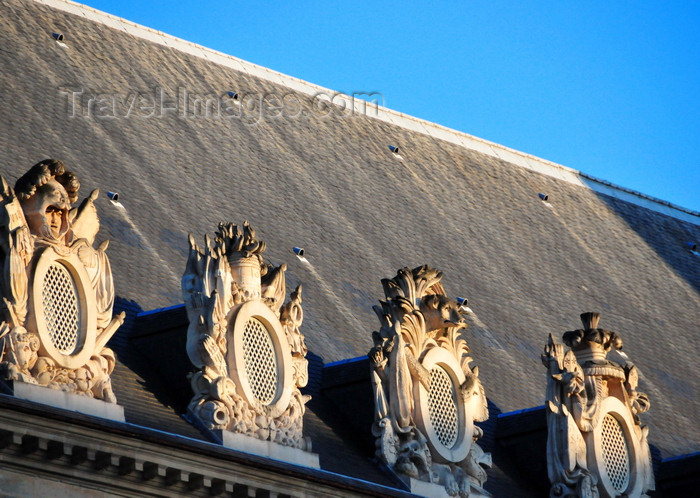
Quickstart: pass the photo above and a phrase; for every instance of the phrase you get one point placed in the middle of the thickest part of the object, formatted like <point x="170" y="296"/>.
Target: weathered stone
<point x="596" y="444"/>
<point x="427" y="395"/>
<point x="57" y="290"/>
<point x="247" y="346"/>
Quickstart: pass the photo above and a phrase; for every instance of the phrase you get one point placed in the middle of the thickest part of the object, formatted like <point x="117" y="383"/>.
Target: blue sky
<point x="610" y="89"/>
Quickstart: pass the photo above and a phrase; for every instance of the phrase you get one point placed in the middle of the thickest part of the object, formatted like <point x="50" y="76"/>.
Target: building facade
<point x="199" y="147"/>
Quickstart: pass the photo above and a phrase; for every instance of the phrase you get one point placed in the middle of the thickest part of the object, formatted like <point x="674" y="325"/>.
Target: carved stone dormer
<point x="427" y="396"/>
<point x="596" y="444"/>
<point x="57" y="292"/>
<point x="246" y="345"/>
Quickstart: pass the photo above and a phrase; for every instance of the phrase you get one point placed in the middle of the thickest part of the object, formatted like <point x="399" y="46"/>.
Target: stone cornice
<point x="124" y="457"/>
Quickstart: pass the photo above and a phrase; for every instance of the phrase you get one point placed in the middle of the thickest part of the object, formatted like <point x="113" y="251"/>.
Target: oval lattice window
<point x="615" y="453"/>
<point x="260" y="361"/>
<point x="442" y="407"/>
<point x="61" y="308"/>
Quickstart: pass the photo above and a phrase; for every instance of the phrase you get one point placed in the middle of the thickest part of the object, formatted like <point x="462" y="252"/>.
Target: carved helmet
<point x="47" y="184"/>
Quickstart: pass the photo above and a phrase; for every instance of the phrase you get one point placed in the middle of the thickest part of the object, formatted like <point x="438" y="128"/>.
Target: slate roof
<point x="329" y="183"/>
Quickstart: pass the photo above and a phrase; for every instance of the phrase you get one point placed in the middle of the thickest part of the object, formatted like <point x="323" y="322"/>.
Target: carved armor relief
<point x="596" y="445"/>
<point x="246" y="345"/>
<point x="57" y="289"/>
<point x="427" y="395"/>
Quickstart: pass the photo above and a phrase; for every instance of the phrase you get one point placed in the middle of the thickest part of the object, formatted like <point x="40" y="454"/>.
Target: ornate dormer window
<point x="596" y="445"/>
<point x="246" y="345"/>
<point x="57" y="288"/>
<point x="427" y="395"/>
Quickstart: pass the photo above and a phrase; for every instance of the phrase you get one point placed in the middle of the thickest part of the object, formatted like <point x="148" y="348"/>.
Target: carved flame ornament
<point x="596" y="444"/>
<point x="247" y="346"/>
<point x="427" y="396"/>
<point x="57" y="290"/>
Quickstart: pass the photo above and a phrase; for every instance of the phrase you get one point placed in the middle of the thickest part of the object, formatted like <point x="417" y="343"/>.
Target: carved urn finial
<point x="244" y="254"/>
<point x="596" y="445"/>
<point x="244" y="342"/>
<point x="590" y="320"/>
<point x="591" y="344"/>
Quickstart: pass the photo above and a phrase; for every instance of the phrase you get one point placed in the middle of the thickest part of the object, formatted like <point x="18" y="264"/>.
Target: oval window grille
<point x="260" y="361"/>
<point x="61" y="303"/>
<point x="442" y="407"/>
<point x="615" y="454"/>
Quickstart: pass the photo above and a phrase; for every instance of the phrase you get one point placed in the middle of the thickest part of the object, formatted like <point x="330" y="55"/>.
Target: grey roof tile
<point x="331" y="186"/>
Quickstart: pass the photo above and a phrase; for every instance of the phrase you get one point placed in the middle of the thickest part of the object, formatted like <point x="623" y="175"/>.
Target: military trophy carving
<point x="246" y="345"/>
<point x="596" y="444"/>
<point x="427" y="396"/>
<point x="57" y="289"/>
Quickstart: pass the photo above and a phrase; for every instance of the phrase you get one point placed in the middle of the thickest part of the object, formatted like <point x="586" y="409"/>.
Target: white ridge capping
<point x="411" y="123"/>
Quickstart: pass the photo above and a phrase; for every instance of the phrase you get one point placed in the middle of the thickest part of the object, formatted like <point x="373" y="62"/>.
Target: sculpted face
<point x="46" y="211"/>
<point x="54" y="217"/>
<point x="440" y="312"/>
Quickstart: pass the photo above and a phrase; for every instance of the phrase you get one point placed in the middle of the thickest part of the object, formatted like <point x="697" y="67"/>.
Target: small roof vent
<point x="114" y="199"/>
<point x="395" y="151"/>
<point x="544" y="197"/>
<point x="58" y="37"/>
<point x="463" y="305"/>
<point x="299" y="251"/>
<point x="693" y="247"/>
<point x="233" y="95"/>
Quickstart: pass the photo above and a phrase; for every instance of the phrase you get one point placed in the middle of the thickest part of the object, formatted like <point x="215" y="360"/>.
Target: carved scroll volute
<point x="247" y="347"/>
<point x="591" y="417"/>
<point x="57" y="289"/>
<point x="291" y="317"/>
<point x="427" y="396"/>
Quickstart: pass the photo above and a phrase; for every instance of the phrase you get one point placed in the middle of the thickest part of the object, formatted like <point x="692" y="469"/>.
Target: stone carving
<point x="57" y="290"/>
<point x="247" y="347"/>
<point x="596" y="444"/>
<point x="427" y="396"/>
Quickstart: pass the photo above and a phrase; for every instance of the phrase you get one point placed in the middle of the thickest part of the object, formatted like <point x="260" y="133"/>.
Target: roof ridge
<point x="513" y="156"/>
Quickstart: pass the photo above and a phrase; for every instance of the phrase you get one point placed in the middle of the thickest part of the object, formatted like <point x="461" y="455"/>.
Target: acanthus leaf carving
<point x="234" y="302"/>
<point x="592" y="407"/>
<point x="57" y="289"/>
<point x="427" y="395"/>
